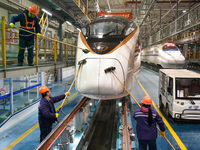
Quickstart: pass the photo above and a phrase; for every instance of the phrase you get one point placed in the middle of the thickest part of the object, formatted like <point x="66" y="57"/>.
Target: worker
<point x="28" y="21"/>
<point x="47" y="114"/>
<point x="146" y="120"/>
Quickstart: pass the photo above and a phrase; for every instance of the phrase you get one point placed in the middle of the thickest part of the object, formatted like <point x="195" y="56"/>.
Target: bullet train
<point x="166" y="55"/>
<point x="109" y="44"/>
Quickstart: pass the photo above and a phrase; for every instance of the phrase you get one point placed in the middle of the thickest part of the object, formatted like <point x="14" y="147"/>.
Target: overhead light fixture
<point x="184" y="11"/>
<point x="68" y="22"/>
<point x="119" y="104"/>
<point x="50" y="14"/>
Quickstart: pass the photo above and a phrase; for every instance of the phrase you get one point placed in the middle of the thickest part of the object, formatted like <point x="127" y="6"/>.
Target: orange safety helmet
<point x="43" y="89"/>
<point x="147" y="100"/>
<point x="33" y="10"/>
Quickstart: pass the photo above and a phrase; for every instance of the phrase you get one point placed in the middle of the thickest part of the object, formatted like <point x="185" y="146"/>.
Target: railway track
<point x="101" y="132"/>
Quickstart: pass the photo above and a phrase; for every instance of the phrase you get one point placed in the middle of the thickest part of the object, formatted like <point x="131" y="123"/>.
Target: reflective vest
<point x="27" y="23"/>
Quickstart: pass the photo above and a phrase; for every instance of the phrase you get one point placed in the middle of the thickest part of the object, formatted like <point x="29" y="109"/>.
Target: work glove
<point x="57" y="114"/>
<point x="67" y="93"/>
<point x="38" y="34"/>
<point x="11" y="25"/>
<point x="162" y="133"/>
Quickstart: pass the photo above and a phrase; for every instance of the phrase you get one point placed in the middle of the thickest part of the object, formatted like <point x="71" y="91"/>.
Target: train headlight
<point x="182" y="103"/>
<point x="85" y="50"/>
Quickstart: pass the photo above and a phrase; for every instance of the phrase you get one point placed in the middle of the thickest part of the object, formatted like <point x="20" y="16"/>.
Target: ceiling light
<point x="50" y="14"/>
<point x="68" y="22"/>
<point x="184" y="11"/>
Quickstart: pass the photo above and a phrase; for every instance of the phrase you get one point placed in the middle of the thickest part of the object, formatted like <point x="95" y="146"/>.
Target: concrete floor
<point x="148" y="79"/>
<point x="188" y="132"/>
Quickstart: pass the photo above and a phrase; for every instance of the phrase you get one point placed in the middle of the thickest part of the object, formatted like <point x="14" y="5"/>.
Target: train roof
<point x="180" y="73"/>
<point x="112" y="17"/>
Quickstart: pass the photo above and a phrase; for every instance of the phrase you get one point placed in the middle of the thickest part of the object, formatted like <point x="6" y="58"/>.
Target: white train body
<point x="166" y="55"/>
<point x="112" y="42"/>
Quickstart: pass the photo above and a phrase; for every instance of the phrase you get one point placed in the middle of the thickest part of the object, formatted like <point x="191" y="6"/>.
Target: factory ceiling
<point x="147" y="14"/>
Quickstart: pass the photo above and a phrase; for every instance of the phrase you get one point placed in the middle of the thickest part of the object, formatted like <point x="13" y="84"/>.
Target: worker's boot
<point x="30" y="64"/>
<point x="19" y="64"/>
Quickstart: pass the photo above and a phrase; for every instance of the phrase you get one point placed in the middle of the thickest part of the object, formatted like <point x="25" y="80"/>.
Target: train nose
<point x="92" y="78"/>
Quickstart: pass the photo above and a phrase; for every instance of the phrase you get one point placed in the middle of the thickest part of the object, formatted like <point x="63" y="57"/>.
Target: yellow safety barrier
<point x="3" y="35"/>
<point x="3" y="42"/>
<point x="66" y="51"/>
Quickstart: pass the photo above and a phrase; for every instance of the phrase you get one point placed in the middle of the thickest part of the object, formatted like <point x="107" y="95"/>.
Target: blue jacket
<point x="143" y="130"/>
<point x="46" y="113"/>
<point x="21" y="18"/>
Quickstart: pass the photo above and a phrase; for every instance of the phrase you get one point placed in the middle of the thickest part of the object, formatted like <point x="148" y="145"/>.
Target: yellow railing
<point x="37" y="47"/>
<point x="82" y="6"/>
<point x="192" y="55"/>
<point x="3" y="44"/>
<point x="43" y="22"/>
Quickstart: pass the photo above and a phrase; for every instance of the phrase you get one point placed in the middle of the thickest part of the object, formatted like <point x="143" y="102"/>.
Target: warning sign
<point x="12" y="33"/>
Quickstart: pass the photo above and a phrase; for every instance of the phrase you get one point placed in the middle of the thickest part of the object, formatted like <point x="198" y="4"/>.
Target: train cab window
<point x="106" y="29"/>
<point x="108" y="26"/>
<point x="169" y="47"/>
<point x="106" y="32"/>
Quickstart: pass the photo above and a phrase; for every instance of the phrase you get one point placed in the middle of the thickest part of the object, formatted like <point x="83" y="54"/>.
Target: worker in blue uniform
<point x="28" y="21"/>
<point x="47" y="114"/>
<point x="146" y="120"/>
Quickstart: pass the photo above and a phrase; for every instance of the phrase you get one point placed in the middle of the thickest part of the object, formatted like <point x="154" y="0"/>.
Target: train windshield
<point x="188" y="88"/>
<point x="107" y="31"/>
<point x="170" y="48"/>
<point x="109" y="26"/>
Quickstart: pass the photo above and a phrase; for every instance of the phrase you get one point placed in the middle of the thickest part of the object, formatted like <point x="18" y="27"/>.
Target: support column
<point x="37" y="86"/>
<point x="59" y="74"/>
<point x="3" y="42"/>
<point x="177" y="9"/>
<point x="42" y="78"/>
<point x="176" y="17"/>
<point x="136" y="10"/>
<point x="151" y="41"/>
<point x="28" y="86"/>
<point x="160" y="24"/>
<point x="60" y="34"/>
<point x="11" y="95"/>
<point x="1" y="83"/>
